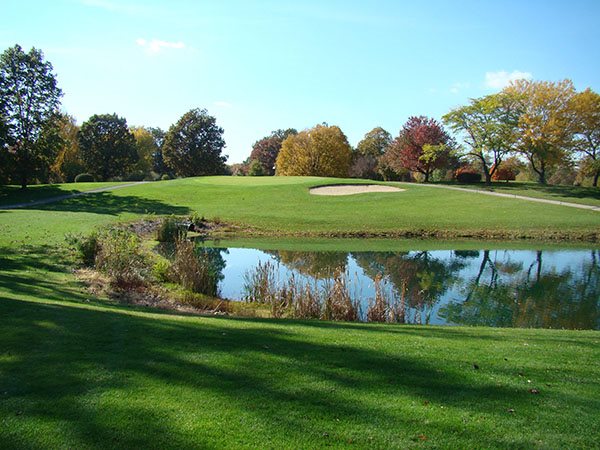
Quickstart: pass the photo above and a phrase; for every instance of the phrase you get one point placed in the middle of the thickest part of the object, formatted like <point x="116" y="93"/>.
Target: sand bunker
<point x="350" y="189"/>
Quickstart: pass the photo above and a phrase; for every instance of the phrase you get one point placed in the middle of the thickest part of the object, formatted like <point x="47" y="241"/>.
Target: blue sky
<point x="262" y="65"/>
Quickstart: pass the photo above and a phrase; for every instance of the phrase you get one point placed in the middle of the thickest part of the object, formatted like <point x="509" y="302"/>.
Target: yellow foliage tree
<point x="547" y="122"/>
<point x="68" y="163"/>
<point x="145" y="145"/>
<point x="586" y="105"/>
<point x="321" y="151"/>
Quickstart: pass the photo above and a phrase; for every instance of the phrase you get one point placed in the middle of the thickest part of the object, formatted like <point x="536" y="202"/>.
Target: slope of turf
<point x="77" y="372"/>
<point x="283" y="205"/>
<point x="572" y="194"/>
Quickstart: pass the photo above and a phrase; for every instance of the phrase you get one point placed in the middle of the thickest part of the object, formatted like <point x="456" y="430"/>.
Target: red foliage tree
<point x="422" y="146"/>
<point x="265" y="150"/>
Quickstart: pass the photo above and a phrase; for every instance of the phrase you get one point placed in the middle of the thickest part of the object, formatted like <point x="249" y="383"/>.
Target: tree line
<point x="41" y="144"/>
<point x="540" y="128"/>
<point x="546" y="130"/>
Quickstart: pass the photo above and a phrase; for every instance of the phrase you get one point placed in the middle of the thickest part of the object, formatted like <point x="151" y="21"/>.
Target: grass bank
<point x="282" y="206"/>
<point x="81" y="372"/>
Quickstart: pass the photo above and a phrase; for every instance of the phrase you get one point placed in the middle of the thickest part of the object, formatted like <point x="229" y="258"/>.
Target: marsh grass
<point x="192" y="270"/>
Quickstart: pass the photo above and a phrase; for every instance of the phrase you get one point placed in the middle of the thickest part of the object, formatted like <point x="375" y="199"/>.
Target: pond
<point x="501" y="287"/>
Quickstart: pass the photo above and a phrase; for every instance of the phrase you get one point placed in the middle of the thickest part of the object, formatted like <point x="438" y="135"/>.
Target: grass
<point x="10" y="195"/>
<point x="78" y="371"/>
<point x="283" y="206"/>
<point x="572" y="194"/>
<point x="89" y="374"/>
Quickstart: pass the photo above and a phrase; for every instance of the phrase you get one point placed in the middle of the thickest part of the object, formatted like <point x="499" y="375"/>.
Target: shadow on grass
<point x="151" y="372"/>
<point x="108" y="203"/>
<point x="10" y="195"/>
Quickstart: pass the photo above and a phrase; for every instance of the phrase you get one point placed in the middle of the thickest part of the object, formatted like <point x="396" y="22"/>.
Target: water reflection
<point x="499" y="288"/>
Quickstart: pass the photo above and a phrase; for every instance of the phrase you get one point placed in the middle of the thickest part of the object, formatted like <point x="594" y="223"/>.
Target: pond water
<point x="499" y="288"/>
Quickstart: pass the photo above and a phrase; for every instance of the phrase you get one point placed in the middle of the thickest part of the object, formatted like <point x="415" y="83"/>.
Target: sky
<point x="258" y="66"/>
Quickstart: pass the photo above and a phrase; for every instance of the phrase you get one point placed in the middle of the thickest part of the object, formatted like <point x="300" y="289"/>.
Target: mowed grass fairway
<point x="77" y="371"/>
<point x="283" y="205"/>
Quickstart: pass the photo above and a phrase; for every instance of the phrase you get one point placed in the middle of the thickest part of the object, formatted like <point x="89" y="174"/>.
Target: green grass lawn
<point x="572" y="194"/>
<point x="283" y="205"/>
<point x="78" y="371"/>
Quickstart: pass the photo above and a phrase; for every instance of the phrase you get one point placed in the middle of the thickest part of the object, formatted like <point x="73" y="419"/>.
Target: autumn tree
<point x="546" y="125"/>
<point x="365" y="160"/>
<point x="29" y="101"/>
<point x="489" y="127"/>
<point x="107" y="146"/>
<point x="146" y="147"/>
<point x="266" y="150"/>
<point x="586" y="106"/>
<point x="194" y="144"/>
<point x="68" y="163"/>
<point x="321" y="151"/>
<point x="422" y="146"/>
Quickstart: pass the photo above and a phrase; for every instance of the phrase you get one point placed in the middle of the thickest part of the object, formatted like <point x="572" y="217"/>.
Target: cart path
<point x="519" y="197"/>
<point x="60" y="198"/>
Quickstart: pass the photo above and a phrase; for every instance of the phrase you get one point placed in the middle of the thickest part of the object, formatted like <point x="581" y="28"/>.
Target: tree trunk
<point x="23" y="180"/>
<point x="542" y="176"/>
<point x="488" y="178"/>
<point x="596" y="176"/>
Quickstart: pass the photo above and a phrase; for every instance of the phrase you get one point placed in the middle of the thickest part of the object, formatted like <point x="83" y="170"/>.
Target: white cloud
<point x="457" y="87"/>
<point x="501" y="79"/>
<point x="155" y="46"/>
<point x="222" y="104"/>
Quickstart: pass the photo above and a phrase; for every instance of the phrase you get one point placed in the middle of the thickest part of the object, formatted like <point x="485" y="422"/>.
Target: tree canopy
<point x="586" y="106"/>
<point x="422" y="146"/>
<point x="193" y="145"/>
<point x="29" y="101"/>
<point x="107" y="147"/>
<point x="546" y="124"/>
<point x="266" y="150"/>
<point x="489" y="127"/>
<point x="321" y="151"/>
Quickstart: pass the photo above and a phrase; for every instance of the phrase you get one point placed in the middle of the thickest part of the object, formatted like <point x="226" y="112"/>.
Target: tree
<point x="158" y="163"/>
<point x="146" y="147"/>
<point x="546" y="124"/>
<point x="68" y="164"/>
<point x="194" y="144"/>
<point x="586" y="107"/>
<point x="107" y="146"/>
<point x="321" y="151"/>
<point x="374" y="143"/>
<point x="365" y="160"/>
<point x="422" y="146"/>
<point x="489" y="127"/>
<point x="30" y="98"/>
<point x="266" y="150"/>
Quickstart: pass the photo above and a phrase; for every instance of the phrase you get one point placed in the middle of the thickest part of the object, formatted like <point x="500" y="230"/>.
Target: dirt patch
<point x="351" y="189"/>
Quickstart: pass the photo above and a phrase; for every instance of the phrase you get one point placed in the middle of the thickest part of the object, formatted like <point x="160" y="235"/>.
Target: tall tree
<point x="194" y="144"/>
<point x="422" y="146"/>
<point x="374" y="143"/>
<point x="266" y="150"/>
<point x="489" y="128"/>
<point x="546" y="124"/>
<point x="68" y="164"/>
<point x="30" y="98"/>
<point x="321" y="151"/>
<point x="586" y="106"/>
<point x="146" y="147"/>
<point x="107" y="146"/>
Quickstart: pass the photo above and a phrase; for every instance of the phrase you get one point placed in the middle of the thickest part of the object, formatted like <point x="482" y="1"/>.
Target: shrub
<point x="120" y="256"/>
<point x="165" y="176"/>
<point x="87" y="247"/>
<point x="138" y="175"/>
<point x="170" y="230"/>
<point x="467" y="174"/>
<point x="161" y="270"/>
<point x="194" y="271"/>
<point x="84" y="178"/>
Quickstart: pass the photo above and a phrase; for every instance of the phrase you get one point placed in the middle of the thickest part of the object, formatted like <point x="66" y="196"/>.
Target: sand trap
<point x="351" y="189"/>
